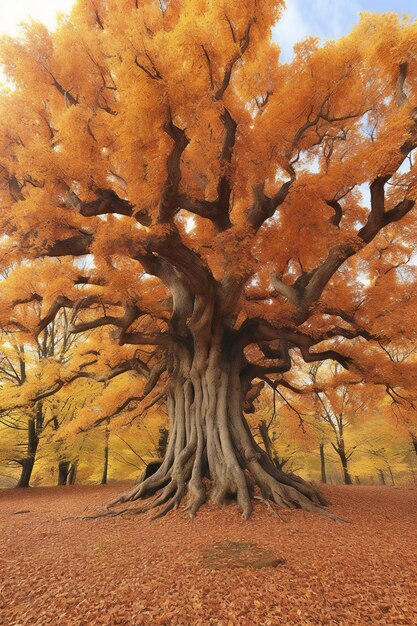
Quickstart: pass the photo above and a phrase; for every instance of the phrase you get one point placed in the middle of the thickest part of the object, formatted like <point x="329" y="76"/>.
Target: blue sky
<point x="329" y="18"/>
<point x="324" y="18"/>
<point x="321" y="18"/>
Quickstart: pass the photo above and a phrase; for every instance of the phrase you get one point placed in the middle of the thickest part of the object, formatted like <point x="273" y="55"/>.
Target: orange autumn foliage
<point x="228" y="217"/>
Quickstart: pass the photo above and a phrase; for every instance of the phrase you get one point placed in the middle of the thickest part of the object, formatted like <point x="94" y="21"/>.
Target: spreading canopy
<point x="164" y="175"/>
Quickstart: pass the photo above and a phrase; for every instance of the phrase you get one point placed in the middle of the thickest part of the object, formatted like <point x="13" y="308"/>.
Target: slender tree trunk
<point x="106" y="456"/>
<point x="346" y="475"/>
<point x="381" y="476"/>
<point x="209" y="436"/>
<point x="266" y="440"/>
<point x="342" y="454"/>
<point x="322" y="464"/>
<point x="414" y="442"/>
<point x="72" y="474"/>
<point x="34" y="427"/>
<point x="26" y="472"/>
<point x="391" y="475"/>
<point x="63" y="470"/>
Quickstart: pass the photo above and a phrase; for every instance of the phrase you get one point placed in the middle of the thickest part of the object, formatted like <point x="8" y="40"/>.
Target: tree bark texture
<point x="209" y="436"/>
<point x="35" y="424"/>
<point x="346" y="475"/>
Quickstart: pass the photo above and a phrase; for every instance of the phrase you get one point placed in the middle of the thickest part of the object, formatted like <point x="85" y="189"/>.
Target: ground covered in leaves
<point x="215" y="569"/>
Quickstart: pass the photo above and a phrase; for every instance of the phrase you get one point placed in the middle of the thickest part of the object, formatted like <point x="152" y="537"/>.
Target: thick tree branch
<point x="78" y="245"/>
<point x="143" y="339"/>
<point x="218" y="210"/>
<point x="169" y="246"/>
<point x="108" y="202"/>
<point x="259" y="331"/>
<point x="263" y="206"/>
<point x="169" y="201"/>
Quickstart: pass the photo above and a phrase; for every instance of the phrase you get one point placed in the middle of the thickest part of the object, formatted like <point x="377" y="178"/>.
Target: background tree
<point x="329" y="407"/>
<point x="278" y="430"/>
<point x="23" y="365"/>
<point x="337" y="414"/>
<point x="338" y="407"/>
<point x="228" y="206"/>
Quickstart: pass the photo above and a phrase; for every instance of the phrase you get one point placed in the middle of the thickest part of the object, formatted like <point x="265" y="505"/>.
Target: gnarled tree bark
<point x="209" y="435"/>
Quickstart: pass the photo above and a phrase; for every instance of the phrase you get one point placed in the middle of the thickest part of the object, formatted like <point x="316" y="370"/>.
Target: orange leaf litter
<point x="129" y="570"/>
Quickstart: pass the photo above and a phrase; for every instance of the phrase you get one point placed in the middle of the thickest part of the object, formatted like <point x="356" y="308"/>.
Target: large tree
<point x="172" y="180"/>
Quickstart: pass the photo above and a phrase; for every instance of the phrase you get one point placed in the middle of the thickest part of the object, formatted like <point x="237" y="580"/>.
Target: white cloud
<point x="290" y="29"/>
<point x="327" y="19"/>
<point x="336" y="17"/>
<point x="14" y="12"/>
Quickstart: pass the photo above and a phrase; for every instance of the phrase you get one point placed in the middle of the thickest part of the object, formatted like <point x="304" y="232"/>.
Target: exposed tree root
<point x="210" y="438"/>
<point x="184" y="484"/>
<point x="269" y="506"/>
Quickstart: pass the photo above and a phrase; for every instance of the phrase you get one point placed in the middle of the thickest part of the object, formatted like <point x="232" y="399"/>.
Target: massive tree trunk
<point x="209" y="436"/>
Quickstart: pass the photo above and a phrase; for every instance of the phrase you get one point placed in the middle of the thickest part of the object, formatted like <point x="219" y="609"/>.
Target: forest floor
<point x="131" y="571"/>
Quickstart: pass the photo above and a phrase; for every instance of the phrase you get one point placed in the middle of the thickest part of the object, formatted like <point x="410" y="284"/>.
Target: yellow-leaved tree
<point x="216" y="211"/>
